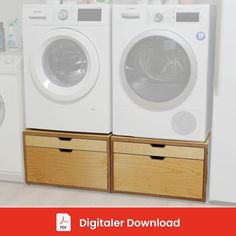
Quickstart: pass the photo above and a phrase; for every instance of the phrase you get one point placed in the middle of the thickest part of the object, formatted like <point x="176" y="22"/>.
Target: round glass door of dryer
<point x="2" y="111"/>
<point x="159" y="70"/>
<point x="65" y="66"/>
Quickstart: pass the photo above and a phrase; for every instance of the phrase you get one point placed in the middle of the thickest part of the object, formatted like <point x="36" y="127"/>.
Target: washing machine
<point x="11" y="118"/>
<point x="67" y="66"/>
<point x="163" y="65"/>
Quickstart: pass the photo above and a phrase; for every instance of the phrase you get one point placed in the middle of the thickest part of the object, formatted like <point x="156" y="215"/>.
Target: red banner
<point x="118" y="222"/>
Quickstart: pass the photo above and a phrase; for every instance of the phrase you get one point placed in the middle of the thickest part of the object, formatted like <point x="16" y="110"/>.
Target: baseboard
<point x="12" y="177"/>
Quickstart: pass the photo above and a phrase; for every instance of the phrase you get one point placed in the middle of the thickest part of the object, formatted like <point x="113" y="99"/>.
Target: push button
<point x="201" y="36"/>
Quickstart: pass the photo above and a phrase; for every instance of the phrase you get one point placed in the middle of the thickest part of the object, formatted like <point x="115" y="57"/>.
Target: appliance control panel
<point x="176" y="17"/>
<point x="66" y="14"/>
<point x="164" y="17"/>
<point x="83" y="14"/>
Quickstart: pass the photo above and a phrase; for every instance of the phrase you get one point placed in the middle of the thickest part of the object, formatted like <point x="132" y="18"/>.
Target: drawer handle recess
<point x="66" y="150"/>
<point x="65" y="139"/>
<point x="158" y="145"/>
<point x="158" y="158"/>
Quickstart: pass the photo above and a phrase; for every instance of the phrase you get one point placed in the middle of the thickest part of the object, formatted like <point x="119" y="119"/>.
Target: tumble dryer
<point x="163" y="63"/>
<point x="67" y="60"/>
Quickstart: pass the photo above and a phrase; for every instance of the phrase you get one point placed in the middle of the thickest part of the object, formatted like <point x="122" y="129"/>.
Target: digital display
<point x="188" y="17"/>
<point x="89" y="14"/>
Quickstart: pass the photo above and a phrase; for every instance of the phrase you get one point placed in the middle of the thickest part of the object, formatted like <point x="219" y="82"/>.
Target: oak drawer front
<point x="61" y="167"/>
<point x="159" y="150"/>
<point x="67" y="143"/>
<point x="168" y="177"/>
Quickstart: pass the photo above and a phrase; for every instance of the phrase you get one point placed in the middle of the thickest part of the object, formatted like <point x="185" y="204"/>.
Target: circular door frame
<point x="56" y="92"/>
<point x="2" y="108"/>
<point x="187" y="91"/>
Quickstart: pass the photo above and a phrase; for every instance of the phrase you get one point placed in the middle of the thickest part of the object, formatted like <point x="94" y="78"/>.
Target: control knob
<point x="159" y="17"/>
<point x="63" y="14"/>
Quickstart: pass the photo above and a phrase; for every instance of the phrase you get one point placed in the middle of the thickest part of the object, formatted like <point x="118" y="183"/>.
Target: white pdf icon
<point x="63" y="222"/>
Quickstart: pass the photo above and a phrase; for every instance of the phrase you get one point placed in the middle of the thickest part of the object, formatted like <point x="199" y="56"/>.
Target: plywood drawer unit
<point x="67" y="159"/>
<point x="157" y="167"/>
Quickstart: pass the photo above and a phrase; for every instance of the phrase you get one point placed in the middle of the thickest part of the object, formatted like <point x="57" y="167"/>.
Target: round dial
<point x="159" y="17"/>
<point x="63" y="14"/>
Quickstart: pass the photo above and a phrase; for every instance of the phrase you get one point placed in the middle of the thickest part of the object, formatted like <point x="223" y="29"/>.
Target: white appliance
<point x="223" y="157"/>
<point x="163" y="57"/>
<point x="67" y="67"/>
<point x="11" y="118"/>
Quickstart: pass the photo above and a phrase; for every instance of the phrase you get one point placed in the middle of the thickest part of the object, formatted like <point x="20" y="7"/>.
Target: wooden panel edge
<point x="160" y="141"/>
<point x="205" y="175"/>
<point x="25" y="158"/>
<point x="67" y="186"/>
<point x="112" y="166"/>
<point x="109" y="165"/>
<point x="158" y="196"/>
<point x="200" y="156"/>
<point x="76" y="135"/>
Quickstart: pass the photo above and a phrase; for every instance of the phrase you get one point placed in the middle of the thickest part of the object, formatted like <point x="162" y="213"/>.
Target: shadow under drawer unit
<point x="174" y="169"/>
<point x="67" y="159"/>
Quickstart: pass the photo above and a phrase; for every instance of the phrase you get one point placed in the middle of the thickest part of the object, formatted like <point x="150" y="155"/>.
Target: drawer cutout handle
<point x="66" y="150"/>
<point x="158" y="158"/>
<point x="65" y="139"/>
<point x="158" y="145"/>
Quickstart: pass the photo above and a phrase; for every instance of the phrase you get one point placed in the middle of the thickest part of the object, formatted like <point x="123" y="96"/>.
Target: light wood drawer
<point x="159" y="150"/>
<point x="67" y="168"/>
<point x="168" y="177"/>
<point x="66" y="143"/>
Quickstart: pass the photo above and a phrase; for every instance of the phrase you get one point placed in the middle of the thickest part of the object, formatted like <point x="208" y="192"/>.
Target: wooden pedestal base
<point x="153" y="167"/>
<point x="67" y="159"/>
<point x="157" y="167"/>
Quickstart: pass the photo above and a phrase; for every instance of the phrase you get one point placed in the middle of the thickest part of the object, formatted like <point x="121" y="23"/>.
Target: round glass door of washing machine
<point x="158" y="70"/>
<point x="65" y="63"/>
<point x="65" y="66"/>
<point x="2" y="111"/>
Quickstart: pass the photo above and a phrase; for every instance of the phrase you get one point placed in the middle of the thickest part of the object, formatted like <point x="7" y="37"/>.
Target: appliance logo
<point x="201" y="36"/>
<point x="63" y="222"/>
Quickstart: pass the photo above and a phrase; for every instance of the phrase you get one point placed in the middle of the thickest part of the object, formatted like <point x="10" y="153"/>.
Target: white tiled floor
<point x="14" y="194"/>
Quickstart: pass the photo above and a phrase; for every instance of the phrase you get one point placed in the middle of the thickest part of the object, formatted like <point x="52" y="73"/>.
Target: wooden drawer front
<point x="159" y="150"/>
<point x="67" y="143"/>
<point x="168" y="177"/>
<point x="75" y="169"/>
